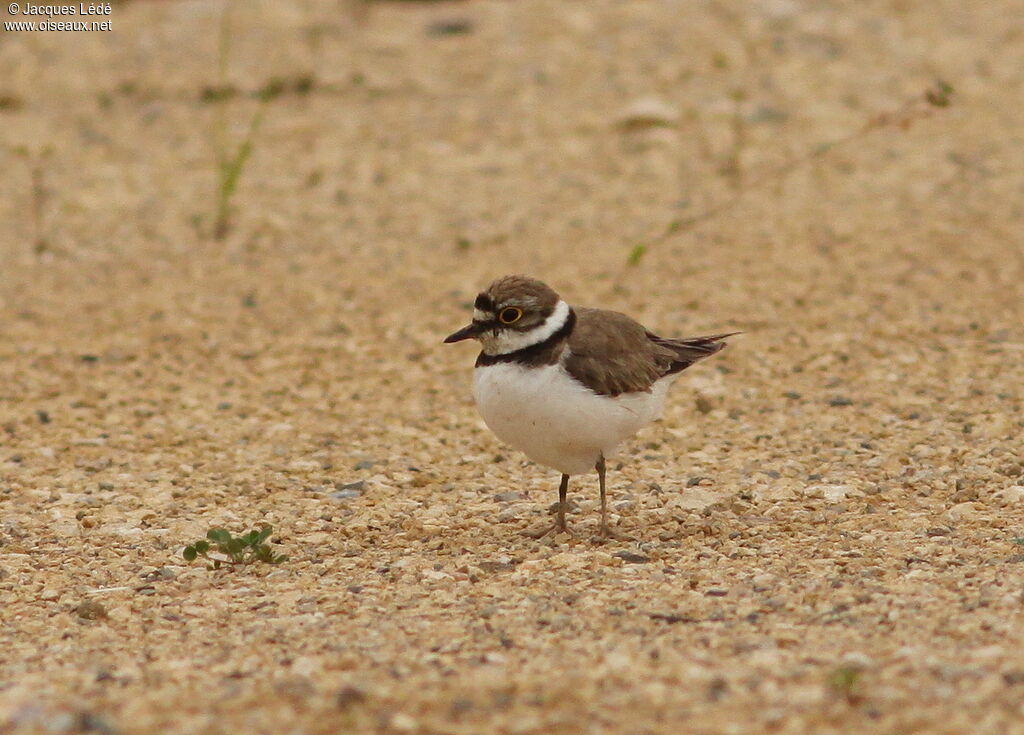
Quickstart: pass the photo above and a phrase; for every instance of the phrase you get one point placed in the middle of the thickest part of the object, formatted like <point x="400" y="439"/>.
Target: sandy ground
<point x="824" y="520"/>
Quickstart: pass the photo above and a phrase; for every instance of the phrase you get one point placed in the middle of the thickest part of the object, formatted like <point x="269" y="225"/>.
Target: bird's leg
<point x="563" y="492"/>
<point x="605" y="532"/>
<point x="559" y="526"/>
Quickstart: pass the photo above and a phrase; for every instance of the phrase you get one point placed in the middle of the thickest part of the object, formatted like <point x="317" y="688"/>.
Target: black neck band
<point x="530" y="353"/>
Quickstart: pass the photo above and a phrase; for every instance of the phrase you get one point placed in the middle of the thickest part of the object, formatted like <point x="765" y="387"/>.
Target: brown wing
<point x="611" y="353"/>
<point x="690" y="349"/>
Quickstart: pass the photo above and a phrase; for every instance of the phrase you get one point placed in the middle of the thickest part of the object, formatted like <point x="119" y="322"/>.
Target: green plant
<point x="732" y="167"/>
<point x="637" y="254"/>
<point x="938" y="96"/>
<point x="220" y="547"/>
<point x="845" y="683"/>
<point x="37" y="161"/>
<point x="230" y="160"/>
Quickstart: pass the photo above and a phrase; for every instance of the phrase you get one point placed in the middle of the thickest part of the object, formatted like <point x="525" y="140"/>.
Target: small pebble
<point x="450" y="27"/>
<point x="647" y="112"/>
<point x="91" y="610"/>
<point x="632" y="557"/>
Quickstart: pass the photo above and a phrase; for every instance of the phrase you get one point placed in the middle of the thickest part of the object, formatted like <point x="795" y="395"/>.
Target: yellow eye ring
<point x="510" y="315"/>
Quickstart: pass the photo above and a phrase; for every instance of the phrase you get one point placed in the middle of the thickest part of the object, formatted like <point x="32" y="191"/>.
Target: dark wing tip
<point x="691" y="349"/>
<point x="710" y="343"/>
<point x="711" y="338"/>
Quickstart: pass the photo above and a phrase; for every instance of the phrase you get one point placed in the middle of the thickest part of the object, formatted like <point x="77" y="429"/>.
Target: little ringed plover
<point x="567" y="385"/>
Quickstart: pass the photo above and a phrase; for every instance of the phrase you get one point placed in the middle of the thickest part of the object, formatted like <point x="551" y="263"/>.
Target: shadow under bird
<point x="567" y="385"/>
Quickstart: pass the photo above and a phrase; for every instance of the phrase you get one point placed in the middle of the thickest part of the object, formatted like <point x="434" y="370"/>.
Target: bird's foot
<point x="607" y="533"/>
<point x="549" y="531"/>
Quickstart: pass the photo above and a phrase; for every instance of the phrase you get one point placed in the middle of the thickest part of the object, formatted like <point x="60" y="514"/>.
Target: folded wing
<point x="690" y="349"/>
<point x="613" y="354"/>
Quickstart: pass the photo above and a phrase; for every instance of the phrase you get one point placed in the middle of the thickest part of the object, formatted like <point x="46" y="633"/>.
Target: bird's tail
<point x="690" y="349"/>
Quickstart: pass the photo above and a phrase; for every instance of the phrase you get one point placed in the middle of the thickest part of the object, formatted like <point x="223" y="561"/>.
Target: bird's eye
<point x="510" y="315"/>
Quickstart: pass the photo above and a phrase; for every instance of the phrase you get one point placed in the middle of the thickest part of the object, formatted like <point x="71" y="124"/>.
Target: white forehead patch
<point x="509" y="340"/>
<point x="482" y="316"/>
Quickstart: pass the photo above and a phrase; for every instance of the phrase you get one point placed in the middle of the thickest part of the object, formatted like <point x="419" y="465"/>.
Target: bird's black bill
<point x="467" y="332"/>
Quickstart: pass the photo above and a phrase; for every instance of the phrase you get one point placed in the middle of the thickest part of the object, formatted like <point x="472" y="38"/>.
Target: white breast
<point x="556" y="420"/>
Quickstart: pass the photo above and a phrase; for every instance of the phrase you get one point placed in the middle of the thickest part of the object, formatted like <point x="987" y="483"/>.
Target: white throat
<point x="509" y="340"/>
